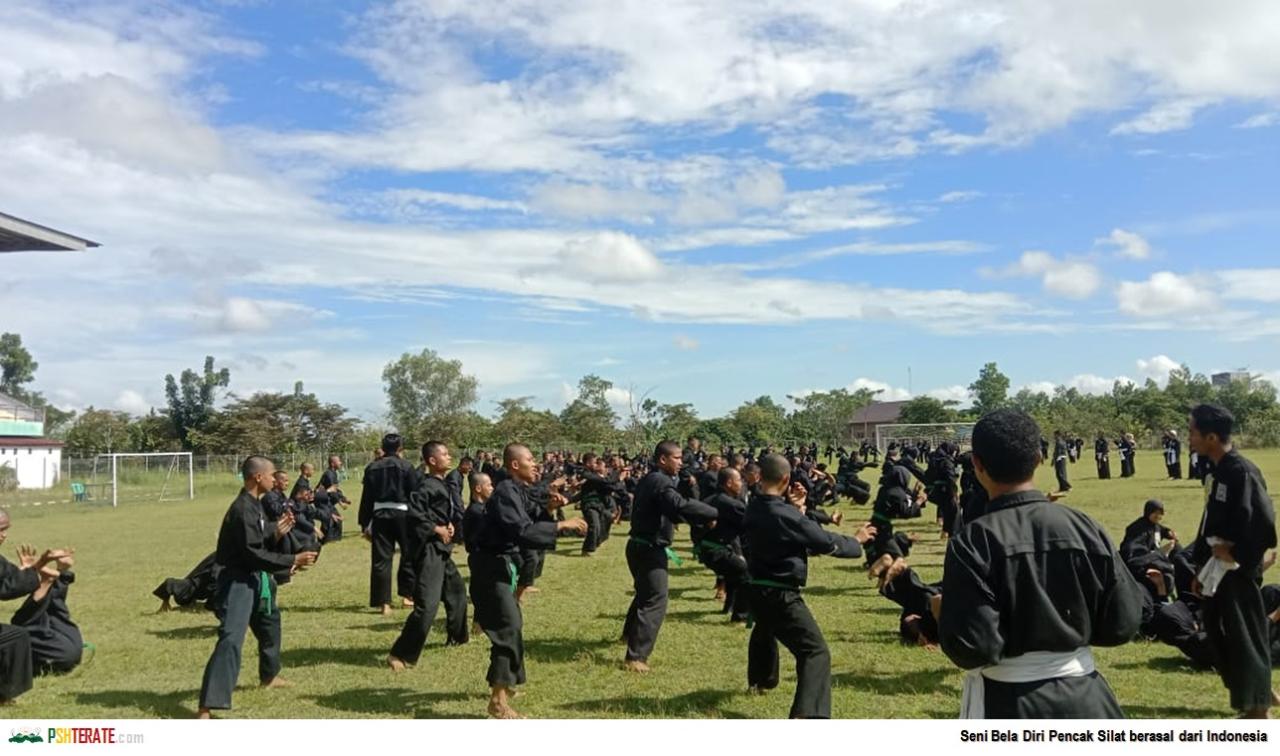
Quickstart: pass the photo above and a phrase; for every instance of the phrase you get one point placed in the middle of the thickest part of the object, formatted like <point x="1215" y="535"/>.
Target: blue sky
<point x="703" y="201"/>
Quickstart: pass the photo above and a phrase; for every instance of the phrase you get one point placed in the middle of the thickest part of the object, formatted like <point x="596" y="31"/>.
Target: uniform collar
<point x="1009" y="501"/>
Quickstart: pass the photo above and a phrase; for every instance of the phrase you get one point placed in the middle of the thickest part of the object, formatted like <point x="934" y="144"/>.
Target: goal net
<point x="960" y="434"/>
<point x="161" y="476"/>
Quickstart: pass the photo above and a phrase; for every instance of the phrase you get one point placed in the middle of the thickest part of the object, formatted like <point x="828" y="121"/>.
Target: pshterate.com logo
<point x="24" y="736"/>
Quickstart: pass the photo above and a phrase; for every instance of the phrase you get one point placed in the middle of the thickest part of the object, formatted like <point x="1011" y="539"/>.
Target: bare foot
<point x="406" y="602"/>
<point x="503" y="711"/>
<point x="386" y="610"/>
<point x="397" y="665"/>
<point x="476" y="629"/>
<point x="635" y="665"/>
<point x="720" y="594"/>
<point x="277" y="682"/>
<point x="204" y="714"/>
<point x="531" y="589"/>
<point x="756" y="690"/>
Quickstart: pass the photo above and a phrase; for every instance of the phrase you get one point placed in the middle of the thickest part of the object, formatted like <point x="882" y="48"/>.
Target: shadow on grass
<point x="175" y="705"/>
<point x="698" y="703"/>
<point x="349" y="608"/>
<point x="352" y="657"/>
<point x="899" y="684"/>
<point x="1174" y="712"/>
<point x="396" y="701"/>
<point x="380" y="626"/>
<point x="198" y="632"/>
<point x="696" y="616"/>
<point x="1165" y="664"/>
<point x="553" y="650"/>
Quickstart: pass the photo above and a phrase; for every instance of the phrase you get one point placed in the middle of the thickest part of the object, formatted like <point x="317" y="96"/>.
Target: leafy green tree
<point x="17" y="368"/>
<point x="276" y="423"/>
<point x="589" y="419"/>
<point x="760" y="421"/>
<point x="429" y="397"/>
<point x="98" y="431"/>
<point x="990" y="391"/>
<point x="823" y="415"/>
<point x="517" y="420"/>
<point x="926" y="409"/>
<point x="192" y="398"/>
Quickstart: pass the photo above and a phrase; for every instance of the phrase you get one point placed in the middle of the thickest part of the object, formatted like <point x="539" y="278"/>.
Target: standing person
<point x="1173" y="455"/>
<point x="1060" y="462"/>
<point x="656" y="505"/>
<point x="1236" y="531"/>
<point x="781" y="539"/>
<point x="431" y="520"/>
<point x="331" y="486"/>
<point x="384" y="509"/>
<point x="505" y="529"/>
<point x="1102" y="455"/>
<point x="1131" y="455"/>
<point x="246" y="593"/>
<point x="721" y="547"/>
<point x="1027" y="588"/>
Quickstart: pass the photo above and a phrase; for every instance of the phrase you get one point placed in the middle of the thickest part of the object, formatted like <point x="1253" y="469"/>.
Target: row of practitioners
<point x="987" y="587"/>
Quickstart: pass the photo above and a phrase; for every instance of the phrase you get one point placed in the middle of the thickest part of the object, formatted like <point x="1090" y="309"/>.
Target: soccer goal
<point x="156" y="476"/>
<point x="960" y="434"/>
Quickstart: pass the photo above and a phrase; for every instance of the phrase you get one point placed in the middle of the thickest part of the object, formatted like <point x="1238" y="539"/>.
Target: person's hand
<point x="837" y="518"/>
<point x="1173" y="536"/>
<point x="572" y="525"/>
<point x="304" y="560"/>
<point x="617" y="516"/>
<point x="865" y="534"/>
<point x="27" y="556"/>
<point x="49" y="573"/>
<point x="285" y="524"/>
<point x="367" y="534"/>
<point x="1196" y="587"/>
<point x="337" y="517"/>
<point x="796" y="495"/>
<point x="445" y="532"/>
<point x="64" y="558"/>
<point x="935" y="606"/>
<point x="1268" y="560"/>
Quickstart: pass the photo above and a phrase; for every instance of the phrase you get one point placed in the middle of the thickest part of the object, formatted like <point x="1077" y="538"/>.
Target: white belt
<point x="1214" y="571"/>
<point x="378" y="506"/>
<point x="1030" y="667"/>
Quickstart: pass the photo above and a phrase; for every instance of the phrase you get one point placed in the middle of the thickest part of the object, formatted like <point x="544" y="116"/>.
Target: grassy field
<point x="149" y="665"/>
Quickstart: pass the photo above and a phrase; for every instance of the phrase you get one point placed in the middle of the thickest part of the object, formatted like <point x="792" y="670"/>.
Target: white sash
<point x="1214" y="571"/>
<point x="378" y="506"/>
<point x="1030" y="667"/>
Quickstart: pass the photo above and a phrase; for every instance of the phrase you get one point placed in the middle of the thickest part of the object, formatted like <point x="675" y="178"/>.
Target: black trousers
<point x="198" y="585"/>
<point x="595" y="529"/>
<point x="733" y="568"/>
<point x="1104" y="469"/>
<point x="1088" y="697"/>
<point x="499" y="616"/>
<point x="436" y="579"/>
<point x="236" y="604"/>
<point x="1060" y="470"/>
<point x="648" y="565"/>
<point x="1174" y="470"/>
<point x="531" y="561"/>
<point x="15" y="662"/>
<point x="781" y="616"/>
<point x="388" y="530"/>
<point x="1236" y="624"/>
<point x="56" y="642"/>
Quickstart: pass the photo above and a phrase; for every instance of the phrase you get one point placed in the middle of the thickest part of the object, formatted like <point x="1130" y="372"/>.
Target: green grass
<point x="149" y="665"/>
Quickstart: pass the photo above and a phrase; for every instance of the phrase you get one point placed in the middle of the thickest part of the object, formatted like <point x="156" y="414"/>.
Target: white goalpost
<point x="141" y="474"/>
<point x="960" y="434"/>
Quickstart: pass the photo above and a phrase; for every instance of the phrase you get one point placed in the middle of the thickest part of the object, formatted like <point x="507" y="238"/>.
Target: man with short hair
<point x="331" y="499"/>
<point x="504" y="530"/>
<point x="246" y="594"/>
<point x="1027" y="588"/>
<point x="383" y="518"/>
<point x="17" y="581"/>
<point x="1236" y="532"/>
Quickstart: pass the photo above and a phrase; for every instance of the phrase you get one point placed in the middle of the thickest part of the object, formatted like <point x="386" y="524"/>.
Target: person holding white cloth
<point x="1028" y="588"/>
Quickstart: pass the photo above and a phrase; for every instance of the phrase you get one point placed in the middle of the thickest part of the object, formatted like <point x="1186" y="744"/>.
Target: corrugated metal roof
<point x="18" y="235"/>
<point x="878" y="413"/>
<point x="25" y="441"/>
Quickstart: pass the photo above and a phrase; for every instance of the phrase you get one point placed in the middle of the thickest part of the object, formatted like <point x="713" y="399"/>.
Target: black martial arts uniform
<point x="656" y="505"/>
<point x="973" y="497"/>
<point x="245" y="599"/>
<point x="1140" y="551"/>
<point x="1239" y="511"/>
<point x="943" y="490"/>
<point x="780" y="541"/>
<point x="15" y="643"/>
<point x="894" y="501"/>
<point x="1060" y="464"/>
<point x="1180" y="624"/>
<point x="435" y="577"/>
<point x="1102" y="456"/>
<point x="720" y="550"/>
<point x="199" y="585"/>
<point x="1128" y="466"/>
<point x="595" y="499"/>
<point x="533" y="559"/>
<point x="1173" y="458"/>
<point x="384" y="509"/>
<point x="56" y="642"/>
<point x="911" y="593"/>
<point x="333" y="501"/>
<point x="504" y="529"/>
<point x="1028" y="576"/>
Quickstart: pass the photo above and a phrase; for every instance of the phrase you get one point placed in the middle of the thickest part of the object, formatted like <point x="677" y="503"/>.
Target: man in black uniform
<point x="504" y="530"/>
<point x="433" y="519"/>
<point x="595" y="499"/>
<point x="1060" y="462"/>
<point x="720" y="548"/>
<point x="384" y="509"/>
<point x="1238" y="528"/>
<point x="331" y="498"/>
<point x="1172" y="455"/>
<point x="656" y="505"/>
<point x="1102" y="455"/>
<point x="1027" y="588"/>
<point x="18" y="581"/>
<point x="780" y="539"/>
<point x="246" y="593"/>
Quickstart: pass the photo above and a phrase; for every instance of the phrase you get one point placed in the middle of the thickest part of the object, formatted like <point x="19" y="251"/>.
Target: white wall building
<point x="36" y="461"/>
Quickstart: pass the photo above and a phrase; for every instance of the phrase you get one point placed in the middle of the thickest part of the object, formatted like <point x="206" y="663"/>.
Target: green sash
<point x="265" y="603"/>
<point x="515" y="574"/>
<point x="671" y="554"/>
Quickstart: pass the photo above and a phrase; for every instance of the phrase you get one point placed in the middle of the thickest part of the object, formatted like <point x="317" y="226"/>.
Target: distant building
<point x="1222" y="380"/>
<point x="864" y="422"/>
<point x="36" y="460"/>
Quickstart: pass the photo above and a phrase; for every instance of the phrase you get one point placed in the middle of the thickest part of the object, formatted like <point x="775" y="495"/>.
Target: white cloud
<point x="1038" y="387"/>
<point x="686" y="344"/>
<point x="1164" y="293"/>
<point x="958" y="394"/>
<point x="610" y="256"/>
<point x="132" y="402"/>
<point x="1260" y="121"/>
<point x="960" y="196"/>
<point x="1073" y="279"/>
<point x="1257" y="285"/>
<point x="1096" y="385"/>
<point x="888" y="393"/>
<point x="242" y="314"/>
<point x="1158" y="368"/>
<point x="1173" y="115"/>
<point x="1127" y="244"/>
